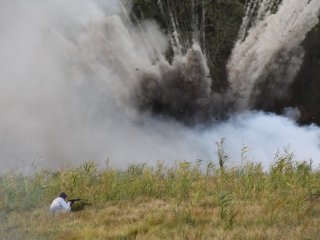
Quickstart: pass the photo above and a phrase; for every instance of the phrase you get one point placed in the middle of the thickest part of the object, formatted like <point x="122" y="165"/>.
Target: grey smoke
<point x="80" y="82"/>
<point x="264" y="63"/>
<point x="181" y="90"/>
<point x="69" y="74"/>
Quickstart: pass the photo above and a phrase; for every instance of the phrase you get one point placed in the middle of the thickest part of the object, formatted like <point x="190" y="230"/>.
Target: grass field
<point x="188" y="201"/>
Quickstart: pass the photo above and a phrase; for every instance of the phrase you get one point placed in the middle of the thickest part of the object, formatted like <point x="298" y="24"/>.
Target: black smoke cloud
<point x="181" y="91"/>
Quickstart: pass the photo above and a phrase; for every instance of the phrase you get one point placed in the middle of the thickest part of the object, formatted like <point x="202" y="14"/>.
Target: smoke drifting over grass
<point x="79" y="82"/>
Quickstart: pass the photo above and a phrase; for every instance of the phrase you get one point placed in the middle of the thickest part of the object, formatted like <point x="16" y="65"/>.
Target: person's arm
<point x="65" y="205"/>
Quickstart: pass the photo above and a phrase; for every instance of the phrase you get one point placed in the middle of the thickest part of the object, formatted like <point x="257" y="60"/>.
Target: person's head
<point x="63" y="195"/>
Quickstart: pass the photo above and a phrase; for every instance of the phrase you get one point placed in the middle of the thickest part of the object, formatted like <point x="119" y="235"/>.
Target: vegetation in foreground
<point x="188" y="201"/>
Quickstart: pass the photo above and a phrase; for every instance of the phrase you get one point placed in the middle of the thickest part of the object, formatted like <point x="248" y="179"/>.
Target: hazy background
<point x="68" y="70"/>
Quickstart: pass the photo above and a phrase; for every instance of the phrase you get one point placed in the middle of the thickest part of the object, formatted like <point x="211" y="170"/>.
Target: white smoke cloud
<point x="67" y="72"/>
<point x="266" y="134"/>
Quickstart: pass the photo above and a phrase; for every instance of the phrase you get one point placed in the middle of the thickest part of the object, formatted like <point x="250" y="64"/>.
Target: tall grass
<point x="198" y="193"/>
<point x="184" y="183"/>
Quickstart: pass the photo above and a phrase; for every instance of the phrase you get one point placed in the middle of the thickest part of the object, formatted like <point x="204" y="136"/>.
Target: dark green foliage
<point x="305" y="92"/>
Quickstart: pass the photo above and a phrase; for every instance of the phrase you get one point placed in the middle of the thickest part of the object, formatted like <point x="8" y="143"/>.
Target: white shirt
<point x="59" y="205"/>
